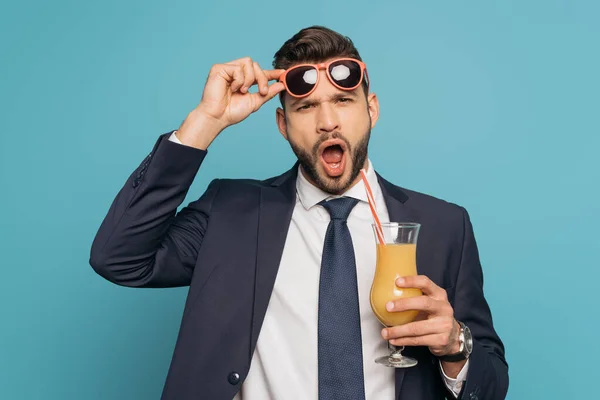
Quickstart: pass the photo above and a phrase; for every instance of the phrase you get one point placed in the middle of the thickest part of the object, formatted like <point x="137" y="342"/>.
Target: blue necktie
<point x="340" y="342"/>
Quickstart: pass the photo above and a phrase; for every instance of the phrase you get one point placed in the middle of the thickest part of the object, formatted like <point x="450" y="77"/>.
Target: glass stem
<point x="396" y="352"/>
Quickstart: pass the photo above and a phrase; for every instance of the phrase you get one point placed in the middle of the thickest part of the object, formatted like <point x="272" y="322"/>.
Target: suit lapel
<point x="275" y="213"/>
<point x="394" y="200"/>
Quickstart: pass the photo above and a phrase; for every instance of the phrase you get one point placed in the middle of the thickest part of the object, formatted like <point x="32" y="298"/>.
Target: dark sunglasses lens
<point x="301" y="80"/>
<point x="345" y="73"/>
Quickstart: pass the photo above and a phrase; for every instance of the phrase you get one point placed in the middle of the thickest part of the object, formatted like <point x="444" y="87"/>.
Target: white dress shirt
<point x="284" y="363"/>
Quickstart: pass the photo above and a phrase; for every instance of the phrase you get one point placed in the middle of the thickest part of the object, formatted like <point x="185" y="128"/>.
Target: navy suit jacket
<point x="227" y="247"/>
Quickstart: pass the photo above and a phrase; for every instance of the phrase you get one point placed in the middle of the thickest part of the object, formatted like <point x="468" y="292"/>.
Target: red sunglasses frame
<point x="325" y="65"/>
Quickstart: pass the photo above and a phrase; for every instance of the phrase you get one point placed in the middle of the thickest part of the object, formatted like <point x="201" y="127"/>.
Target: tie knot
<point x="339" y="208"/>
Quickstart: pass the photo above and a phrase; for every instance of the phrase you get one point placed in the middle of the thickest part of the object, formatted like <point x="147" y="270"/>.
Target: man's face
<point x="329" y="132"/>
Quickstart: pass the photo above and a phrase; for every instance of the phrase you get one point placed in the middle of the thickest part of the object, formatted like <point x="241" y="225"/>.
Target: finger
<point x="422" y="328"/>
<point x="273" y="90"/>
<point x="249" y="76"/>
<point x="247" y="68"/>
<point x="436" y="340"/>
<point x="422" y="303"/>
<point x="240" y="61"/>
<point x="424" y="283"/>
<point x="233" y="74"/>
<point x="273" y="74"/>
<point x="261" y="79"/>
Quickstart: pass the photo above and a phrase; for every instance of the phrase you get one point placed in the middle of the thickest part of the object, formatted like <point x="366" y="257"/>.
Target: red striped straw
<point x="371" y="200"/>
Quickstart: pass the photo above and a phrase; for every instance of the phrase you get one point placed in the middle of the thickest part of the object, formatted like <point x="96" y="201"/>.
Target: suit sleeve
<point x="143" y="241"/>
<point x="488" y="370"/>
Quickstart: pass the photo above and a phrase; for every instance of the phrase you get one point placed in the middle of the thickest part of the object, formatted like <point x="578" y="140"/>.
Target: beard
<point x="309" y="162"/>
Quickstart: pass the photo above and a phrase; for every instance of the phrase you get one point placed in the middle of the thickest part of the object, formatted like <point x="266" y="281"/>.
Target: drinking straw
<point x="371" y="200"/>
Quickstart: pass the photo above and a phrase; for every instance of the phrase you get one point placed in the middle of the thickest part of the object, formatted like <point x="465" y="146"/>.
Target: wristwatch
<point x="466" y="345"/>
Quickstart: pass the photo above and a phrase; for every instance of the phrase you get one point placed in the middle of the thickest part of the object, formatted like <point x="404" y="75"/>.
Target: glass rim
<point x="398" y="225"/>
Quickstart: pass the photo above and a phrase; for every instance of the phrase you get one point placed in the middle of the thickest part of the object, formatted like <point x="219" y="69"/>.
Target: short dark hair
<point x="314" y="44"/>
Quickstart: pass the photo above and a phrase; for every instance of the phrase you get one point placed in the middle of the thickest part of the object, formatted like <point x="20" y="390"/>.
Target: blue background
<point x="492" y="105"/>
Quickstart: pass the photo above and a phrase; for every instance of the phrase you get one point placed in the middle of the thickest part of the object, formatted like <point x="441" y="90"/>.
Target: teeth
<point x="335" y="165"/>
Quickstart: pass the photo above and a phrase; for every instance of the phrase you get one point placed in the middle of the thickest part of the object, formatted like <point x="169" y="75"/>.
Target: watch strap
<point x="453" y="357"/>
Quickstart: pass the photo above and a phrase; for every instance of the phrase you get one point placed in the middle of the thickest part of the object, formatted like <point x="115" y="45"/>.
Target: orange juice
<point x="393" y="261"/>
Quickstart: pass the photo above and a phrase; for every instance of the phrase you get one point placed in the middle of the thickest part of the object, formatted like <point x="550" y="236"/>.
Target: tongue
<point x="332" y="154"/>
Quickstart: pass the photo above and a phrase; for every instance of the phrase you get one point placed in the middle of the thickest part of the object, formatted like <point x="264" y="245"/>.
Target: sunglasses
<point x="344" y="73"/>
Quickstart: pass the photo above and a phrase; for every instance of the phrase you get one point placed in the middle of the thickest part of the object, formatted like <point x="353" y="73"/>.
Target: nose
<point x="328" y="120"/>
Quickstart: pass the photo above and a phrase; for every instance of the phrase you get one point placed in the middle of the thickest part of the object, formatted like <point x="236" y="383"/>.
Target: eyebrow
<point x="337" y="96"/>
<point x="346" y="93"/>
<point x="297" y="101"/>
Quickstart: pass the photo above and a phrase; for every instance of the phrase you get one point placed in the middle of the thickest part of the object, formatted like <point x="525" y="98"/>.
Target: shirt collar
<point x="310" y="195"/>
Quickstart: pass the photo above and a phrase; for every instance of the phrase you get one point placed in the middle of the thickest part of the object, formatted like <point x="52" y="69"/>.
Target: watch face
<point x="468" y="339"/>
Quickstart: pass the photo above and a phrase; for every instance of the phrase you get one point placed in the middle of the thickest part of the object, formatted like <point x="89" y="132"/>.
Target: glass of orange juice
<point x="396" y="257"/>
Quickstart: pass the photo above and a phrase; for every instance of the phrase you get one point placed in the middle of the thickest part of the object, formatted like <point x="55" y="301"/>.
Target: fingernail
<point x="389" y="306"/>
<point x="384" y="333"/>
<point x="400" y="281"/>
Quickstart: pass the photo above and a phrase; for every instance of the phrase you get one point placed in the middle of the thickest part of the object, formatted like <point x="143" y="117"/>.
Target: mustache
<point x="334" y="135"/>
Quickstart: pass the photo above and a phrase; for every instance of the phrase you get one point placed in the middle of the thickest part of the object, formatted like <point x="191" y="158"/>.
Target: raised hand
<point x="226" y="100"/>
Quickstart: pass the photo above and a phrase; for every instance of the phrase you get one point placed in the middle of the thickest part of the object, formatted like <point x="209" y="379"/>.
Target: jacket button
<point x="234" y="378"/>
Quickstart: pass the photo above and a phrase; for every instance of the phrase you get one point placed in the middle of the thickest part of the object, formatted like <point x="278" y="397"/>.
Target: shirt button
<point x="234" y="378"/>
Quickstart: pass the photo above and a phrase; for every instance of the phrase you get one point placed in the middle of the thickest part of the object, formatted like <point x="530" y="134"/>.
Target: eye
<point x="345" y="100"/>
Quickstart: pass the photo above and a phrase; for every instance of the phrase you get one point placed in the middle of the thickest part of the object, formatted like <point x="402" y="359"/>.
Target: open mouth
<point x="333" y="157"/>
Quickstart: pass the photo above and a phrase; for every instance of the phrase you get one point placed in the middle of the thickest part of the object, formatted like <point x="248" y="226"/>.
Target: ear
<point x="281" y="123"/>
<point x="373" y="105"/>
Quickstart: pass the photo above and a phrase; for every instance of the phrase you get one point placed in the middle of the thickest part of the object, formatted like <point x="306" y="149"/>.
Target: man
<point x="258" y="321"/>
